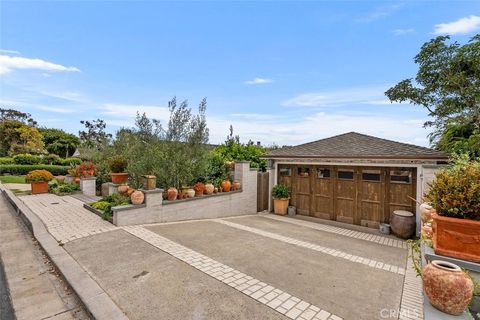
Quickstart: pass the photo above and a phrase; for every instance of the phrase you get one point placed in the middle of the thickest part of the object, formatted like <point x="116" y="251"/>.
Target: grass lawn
<point x="12" y="179"/>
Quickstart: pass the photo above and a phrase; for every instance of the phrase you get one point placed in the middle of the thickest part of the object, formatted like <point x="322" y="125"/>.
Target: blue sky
<point x="279" y="72"/>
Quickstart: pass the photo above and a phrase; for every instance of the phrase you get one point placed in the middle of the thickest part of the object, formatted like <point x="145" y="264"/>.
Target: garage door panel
<point x="303" y="204"/>
<point x="345" y="210"/>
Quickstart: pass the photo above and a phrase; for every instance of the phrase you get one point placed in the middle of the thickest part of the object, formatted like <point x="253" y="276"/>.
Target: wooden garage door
<point x="358" y="195"/>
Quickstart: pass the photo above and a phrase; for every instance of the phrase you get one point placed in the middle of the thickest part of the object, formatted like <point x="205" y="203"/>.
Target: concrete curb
<point x="95" y="299"/>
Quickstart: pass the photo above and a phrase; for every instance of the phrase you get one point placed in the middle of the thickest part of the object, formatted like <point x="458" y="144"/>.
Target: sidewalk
<point x="35" y="289"/>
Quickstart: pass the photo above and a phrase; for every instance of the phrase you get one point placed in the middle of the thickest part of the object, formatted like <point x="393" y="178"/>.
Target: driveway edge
<point x="96" y="300"/>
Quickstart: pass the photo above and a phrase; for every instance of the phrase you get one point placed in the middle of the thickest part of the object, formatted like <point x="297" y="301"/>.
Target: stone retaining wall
<point x="226" y="204"/>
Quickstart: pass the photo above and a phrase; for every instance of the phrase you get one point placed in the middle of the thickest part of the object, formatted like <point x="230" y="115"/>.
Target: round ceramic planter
<point x="447" y="287"/>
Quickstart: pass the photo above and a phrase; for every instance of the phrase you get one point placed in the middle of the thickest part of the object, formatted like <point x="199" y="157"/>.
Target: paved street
<point x="252" y="267"/>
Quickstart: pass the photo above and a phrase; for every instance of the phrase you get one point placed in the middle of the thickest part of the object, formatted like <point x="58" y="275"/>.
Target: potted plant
<point x="454" y="194"/>
<point x="117" y="170"/>
<point x="39" y="180"/>
<point x="86" y="169"/>
<point x="280" y="199"/>
<point x="199" y="188"/>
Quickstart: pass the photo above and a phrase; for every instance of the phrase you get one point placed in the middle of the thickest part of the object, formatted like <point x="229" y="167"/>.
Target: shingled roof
<point x="356" y="145"/>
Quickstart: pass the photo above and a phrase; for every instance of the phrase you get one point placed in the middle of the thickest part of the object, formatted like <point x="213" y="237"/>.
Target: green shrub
<point x="6" y="160"/>
<point x="105" y="204"/>
<point x="59" y="188"/>
<point x="23" y="169"/>
<point x="71" y="161"/>
<point x="26" y="158"/>
<point x="455" y="192"/>
<point x="52" y="159"/>
<point x="280" y="191"/>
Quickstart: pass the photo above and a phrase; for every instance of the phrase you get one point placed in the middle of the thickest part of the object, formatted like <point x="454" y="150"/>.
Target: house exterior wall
<point x="234" y="203"/>
<point x="425" y="171"/>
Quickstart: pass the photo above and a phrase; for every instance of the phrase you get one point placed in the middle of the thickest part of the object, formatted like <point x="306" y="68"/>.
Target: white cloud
<point x="461" y="26"/>
<point x="9" y="63"/>
<point x="130" y="111"/>
<point x="335" y="98"/>
<point x="9" y="51"/>
<point x="403" y="32"/>
<point x="259" y="81"/>
<point x="22" y="104"/>
<point x="316" y="126"/>
<point x="380" y="12"/>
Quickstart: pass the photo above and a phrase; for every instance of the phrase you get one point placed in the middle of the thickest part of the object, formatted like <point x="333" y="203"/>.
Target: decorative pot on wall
<point x="190" y="193"/>
<point x="426" y="211"/>
<point x="172" y="194"/>
<point x="119" y="178"/>
<point x="236" y="185"/>
<point x="123" y="189"/>
<point x="226" y="185"/>
<point x="137" y="197"/>
<point x="149" y="182"/>
<point x="209" y="188"/>
<point x="447" y="287"/>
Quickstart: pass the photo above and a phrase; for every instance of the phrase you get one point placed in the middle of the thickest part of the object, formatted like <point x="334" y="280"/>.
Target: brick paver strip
<point x="397" y="243"/>
<point x="274" y="298"/>
<point x="411" y="306"/>
<point x="65" y="218"/>
<point x="330" y="251"/>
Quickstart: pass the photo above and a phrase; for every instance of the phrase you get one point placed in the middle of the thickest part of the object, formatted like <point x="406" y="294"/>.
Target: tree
<point x="30" y="141"/>
<point x="447" y="84"/>
<point x="15" y="115"/>
<point x="59" y="142"/>
<point x="94" y="136"/>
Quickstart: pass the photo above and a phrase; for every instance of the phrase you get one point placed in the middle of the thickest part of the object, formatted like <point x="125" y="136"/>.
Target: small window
<point x="285" y="172"/>
<point x="303" y="172"/>
<point x="400" y="176"/>
<point x="323" y="173"/>
<point x="370" y="175"/>
<point x="344" y="174"/>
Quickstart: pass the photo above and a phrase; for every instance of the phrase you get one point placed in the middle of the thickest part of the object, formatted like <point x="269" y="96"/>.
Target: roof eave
<point x="390" y="157"/>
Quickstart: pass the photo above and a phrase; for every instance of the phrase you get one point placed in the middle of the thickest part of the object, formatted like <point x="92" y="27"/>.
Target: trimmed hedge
<point x="71" y="161"/>
<point x="26" y="158"/>
<point x="22" y="169"/>
<point x="6" y="160"/>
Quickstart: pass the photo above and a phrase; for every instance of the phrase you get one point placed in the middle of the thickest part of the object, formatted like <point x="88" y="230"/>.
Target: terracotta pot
<point x="77" y="180"/>
<point x="150" y="182"/>
<point x="39" y="187"/>
<point x="236" y="185"/>
<point x="122" y="189"/>
<point x="215" y="190"/>
<point x="172" y="194"/>
<point x="137" y="197"/>
<point x="190" y="193"/>
<point x="119" y="178"/>
<point x="60" y="178"/>
<point x="226" y="185"/>
<point x="209" y="188"/>
<point x="199" y="193"/>
<point x="130" y="191"/>
<point x="280" y="206"/>
<point x="457" y="238"/>
<point x="426" y="211"/>
<point x="447" y="287"/>
<point x="402" y="224"/>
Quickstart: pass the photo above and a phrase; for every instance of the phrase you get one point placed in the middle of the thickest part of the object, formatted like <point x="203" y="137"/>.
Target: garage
<point x="354" y="178"/>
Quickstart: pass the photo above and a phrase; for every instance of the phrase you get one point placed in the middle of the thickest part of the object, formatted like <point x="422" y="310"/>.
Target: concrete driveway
<point x="253" y="267"/>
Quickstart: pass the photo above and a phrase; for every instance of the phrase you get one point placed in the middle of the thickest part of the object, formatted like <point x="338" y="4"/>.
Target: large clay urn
<point x="226" y="185"/>
<point x="402" y="224"/>
<point x="209" y="188"/>
<point x="137" y="197"/>
<point x="172" y="194"/>
<point x="190" y="193"/>
<point x="123" y="189"/>
<point x="447" y="287"/>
